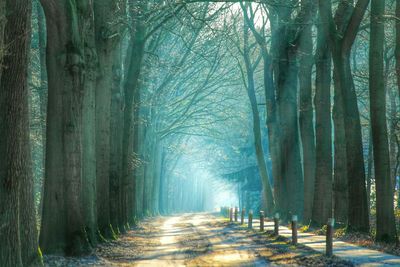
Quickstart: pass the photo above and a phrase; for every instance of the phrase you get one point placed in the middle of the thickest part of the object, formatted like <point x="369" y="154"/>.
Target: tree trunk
<point x="342" y="33"/>
<point x="397" y="51"/>
<point x="306" y="119"/>
<point x="370" y="162"/>
<point x="52" y="233"/>
<point x="89" y="183"/>
<point x="322" y="207"/>
<point x="18" y="231"/>
<point x="43" y="92"/>
<point x="266" y="183"/>
<point x="105" y="44"/>
<point x="272" y="116"/>
<point x="63" y="224"/>
<point x="3" y="20"/>
<point x="358" y="218"/>
<point x="340" y="184"/>
<point x="137" y="45"/>
<point x="290" y="154"/>
<point x="116" y="142"/>
<point x="385" y="222"/>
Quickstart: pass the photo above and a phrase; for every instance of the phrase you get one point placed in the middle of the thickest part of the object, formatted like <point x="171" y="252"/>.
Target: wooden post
<point x="329" y="237"/>
<point x="250" y="222"/>
<point x="276" y="224"/>
<point x="236" y="213"/>
<point x="242" y="216"/>
<point x="231" y="214"/>
<point x="294" y="229"/>
<point x="262" y="221"/>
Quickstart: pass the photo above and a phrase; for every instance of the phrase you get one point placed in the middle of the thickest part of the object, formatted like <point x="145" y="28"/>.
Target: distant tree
<point x="249" y="83"/>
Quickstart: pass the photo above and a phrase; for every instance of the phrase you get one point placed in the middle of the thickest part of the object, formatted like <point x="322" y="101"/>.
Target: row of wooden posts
<point x="233" y="216"/>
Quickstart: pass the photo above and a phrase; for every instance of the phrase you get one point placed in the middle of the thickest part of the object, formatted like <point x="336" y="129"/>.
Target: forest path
<point x="203" y="239"/>
<point x="199" y="240"/>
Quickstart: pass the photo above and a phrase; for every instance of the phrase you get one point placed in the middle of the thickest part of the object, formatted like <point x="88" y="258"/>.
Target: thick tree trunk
<point x="137" y="45"/>
<point x="358" y="218"/>
<point x="397" y="51"/>
<point x="291" y="185"/>
<point x="106" y="42"/>
<point x="340" y="184"/>
<point x="63" y="224"/>
<point x="342" y="36"/>
<point x="2" y="25"/>
<point x="385" y="222"/>
<point x="103" y="11"/>
<point x="89" y="160"/>
<point x="52" y="234"/>
<point x="89" y="183"/>
<point x="43" y="92"/>
<point x="18" y="232"/>
<point x="116" y="143"/>
<point x="306" y="119"/>
<point x="290" y="154"/>
<point x="322" y="206"/>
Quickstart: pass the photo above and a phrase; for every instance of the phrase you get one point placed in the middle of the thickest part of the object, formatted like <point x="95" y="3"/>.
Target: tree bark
<point x="2" y="25"/>
<point x="322" y="206"/>
<point x="385" y="222"/>
<point x="89" y="183"/>
<point x="63" y="224"/>
<point x="266" y="183"/>
<point x="137" y="45"/>
<point x="107" y="39"/>
<point x="397" y="51"/>
<point x="116" y="142"/>
<point x="43" y="92"/>
<point x="287" y="87"/>
<point x="342" y="36"/>
<point x="18" y="232"/>
<point x="272" y="116"/>
<point x="306" y="119"/>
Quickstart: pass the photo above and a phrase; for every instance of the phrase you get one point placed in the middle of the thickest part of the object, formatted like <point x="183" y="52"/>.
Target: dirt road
<point x="196" y="240"/>
<point x="199" y="240"/>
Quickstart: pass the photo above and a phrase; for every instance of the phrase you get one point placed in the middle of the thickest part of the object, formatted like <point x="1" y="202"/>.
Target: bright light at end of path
<point x="225" y="198"/>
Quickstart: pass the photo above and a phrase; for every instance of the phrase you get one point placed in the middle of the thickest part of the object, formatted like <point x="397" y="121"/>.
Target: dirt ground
<point x="197" y="240"/>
